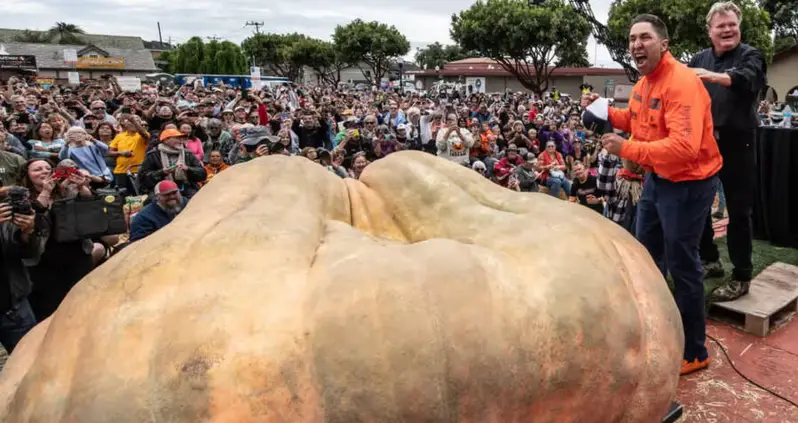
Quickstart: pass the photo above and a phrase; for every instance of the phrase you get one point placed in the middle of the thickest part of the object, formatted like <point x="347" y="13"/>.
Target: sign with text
<point x="129" y="83"/>
<point x="101" y="63"/>
<point x="74" y="78"/>
<point x="16" y="61"/>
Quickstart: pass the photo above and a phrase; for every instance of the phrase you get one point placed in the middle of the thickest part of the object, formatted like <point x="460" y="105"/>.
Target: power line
<point x="257" y="26"/>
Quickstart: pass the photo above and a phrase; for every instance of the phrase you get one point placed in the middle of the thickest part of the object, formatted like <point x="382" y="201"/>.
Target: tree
<point x="273" y="52"/>
<point x="784" y="18"/>
<point x="436" y="54"/>
<point x="783" y="42"/>
<point x="190" y="56"/>
<point x="230" y="60"/>
<point x="686" y="21"/>
<point x="35" y="37"/>
<point x="65" y="33"/>
<point x="321" y="56"/>
<point x="60" y="33"/>
<point x="372" y="43"/>
<point x="215" y="57"/>
<point x="528" y="41"/>
<point x="170" y="57"/>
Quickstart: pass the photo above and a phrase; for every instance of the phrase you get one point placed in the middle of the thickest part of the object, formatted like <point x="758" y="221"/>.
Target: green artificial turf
<point x="764" y="255"/>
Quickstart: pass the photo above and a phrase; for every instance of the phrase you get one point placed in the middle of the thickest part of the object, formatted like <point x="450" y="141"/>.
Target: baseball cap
<point x="401" y="127"/>
<point x="165" y="187"/>
<point x="256" y="135"/>
<point x="170" y="133"/>
<point x="239" y="108"/>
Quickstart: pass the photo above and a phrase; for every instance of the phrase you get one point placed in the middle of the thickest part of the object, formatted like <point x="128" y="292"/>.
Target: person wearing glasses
<point x="100" y="112"/>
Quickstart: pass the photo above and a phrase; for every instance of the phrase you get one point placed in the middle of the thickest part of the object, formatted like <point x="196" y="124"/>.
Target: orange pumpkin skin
<point x="419" y="293"/>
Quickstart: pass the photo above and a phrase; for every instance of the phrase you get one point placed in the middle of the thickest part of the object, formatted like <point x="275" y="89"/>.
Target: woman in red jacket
<point x="551" y="163"/>
<point x="504" y="167"/>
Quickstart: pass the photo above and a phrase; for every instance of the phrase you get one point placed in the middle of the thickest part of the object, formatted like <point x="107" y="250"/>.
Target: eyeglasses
<point x="98" y="108"/>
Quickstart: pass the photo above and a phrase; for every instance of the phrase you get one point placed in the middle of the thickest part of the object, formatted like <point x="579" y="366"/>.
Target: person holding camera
<point x="171" y="161"/>
<point x="254" y="143"/>
<point x="19" y="246"/>
<point x="10" y="166"/>
<point x="62" y="264"/>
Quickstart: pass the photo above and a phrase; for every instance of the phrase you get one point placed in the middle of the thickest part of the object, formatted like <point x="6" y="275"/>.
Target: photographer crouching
<point x="19" y="246"/>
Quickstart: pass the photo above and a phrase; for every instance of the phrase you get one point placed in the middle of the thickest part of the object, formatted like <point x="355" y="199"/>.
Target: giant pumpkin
<point x="419" y="293"/>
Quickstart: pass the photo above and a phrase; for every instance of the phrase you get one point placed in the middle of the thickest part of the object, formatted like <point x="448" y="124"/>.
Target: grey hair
<point x="723" y="7"/>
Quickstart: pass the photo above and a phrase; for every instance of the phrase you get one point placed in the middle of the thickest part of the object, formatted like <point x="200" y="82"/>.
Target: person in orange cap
<point x="171" y="161"/>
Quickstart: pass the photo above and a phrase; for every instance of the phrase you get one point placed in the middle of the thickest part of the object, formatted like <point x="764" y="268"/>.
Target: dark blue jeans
<point x="15" y="323"/>
<point x="670" y="221"/>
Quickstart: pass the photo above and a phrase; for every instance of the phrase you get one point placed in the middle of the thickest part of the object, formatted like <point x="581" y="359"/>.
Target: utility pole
<point x="257" y="26"/>
<point x="160" y="37"/>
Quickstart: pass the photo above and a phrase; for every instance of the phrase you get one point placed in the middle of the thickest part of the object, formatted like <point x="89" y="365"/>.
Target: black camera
<point x="19" y="199"/>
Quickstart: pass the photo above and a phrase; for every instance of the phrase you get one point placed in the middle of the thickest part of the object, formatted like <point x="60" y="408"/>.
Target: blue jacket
<point x="150" y="219"/>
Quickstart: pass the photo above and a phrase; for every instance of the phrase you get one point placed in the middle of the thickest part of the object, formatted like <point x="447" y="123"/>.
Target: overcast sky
<point x="421" y="21"/>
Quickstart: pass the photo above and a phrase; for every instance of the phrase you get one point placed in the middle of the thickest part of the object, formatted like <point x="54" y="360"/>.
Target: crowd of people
<point x="65" y="142"/>
<point x="168" y="142"/>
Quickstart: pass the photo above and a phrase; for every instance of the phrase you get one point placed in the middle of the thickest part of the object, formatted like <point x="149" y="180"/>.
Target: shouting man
<point x="669" y="118"/>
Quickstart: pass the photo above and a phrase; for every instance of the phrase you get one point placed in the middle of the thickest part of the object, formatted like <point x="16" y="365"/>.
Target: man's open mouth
<point x="640" y="58"/>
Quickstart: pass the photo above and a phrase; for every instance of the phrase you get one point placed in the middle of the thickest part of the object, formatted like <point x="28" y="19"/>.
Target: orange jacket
<point x="670" y="119"/>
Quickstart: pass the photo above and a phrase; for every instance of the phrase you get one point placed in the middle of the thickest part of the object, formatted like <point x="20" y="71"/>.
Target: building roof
<point x="157" y="45"/>
<point x="8" y="35"/>
<point x="481" y="66"/>
<point x="51" y="56"/>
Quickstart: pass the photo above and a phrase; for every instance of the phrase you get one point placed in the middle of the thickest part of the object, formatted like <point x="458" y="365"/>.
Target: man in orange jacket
<point x="670" y="119"/>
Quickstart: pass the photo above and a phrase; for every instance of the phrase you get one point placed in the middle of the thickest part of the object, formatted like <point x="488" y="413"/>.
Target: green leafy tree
<point x="783" y="42"/>
<point x="170" y="59"/>
<point x="436" y="54"/>
<point x="190" y="56"/>
<point x="230" y="60"/>
<point x="784" y="17"/>
<point x="321" y="56"/>
<point x="35" y="37"/>
<point x="215" y="57"/>
<point x="528" y="41"/>
<point x="274" y="53"/>
<point x="209" y="63"/>
<point x="686" y="21"/>
<point x="60" y="33"/>
<point x="373" y="44"/>
<point x="66" y="33"/>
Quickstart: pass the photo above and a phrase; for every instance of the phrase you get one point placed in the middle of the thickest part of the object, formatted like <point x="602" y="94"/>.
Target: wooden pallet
<point x="773" y="299"/>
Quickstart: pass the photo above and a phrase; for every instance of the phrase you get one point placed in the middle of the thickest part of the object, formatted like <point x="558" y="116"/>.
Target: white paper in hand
<point x="595" y="117"/>
<point x="599" y="108"/>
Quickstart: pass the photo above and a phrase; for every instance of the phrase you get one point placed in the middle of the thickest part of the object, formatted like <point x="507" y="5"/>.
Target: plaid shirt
<point x="608" y="165"/>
